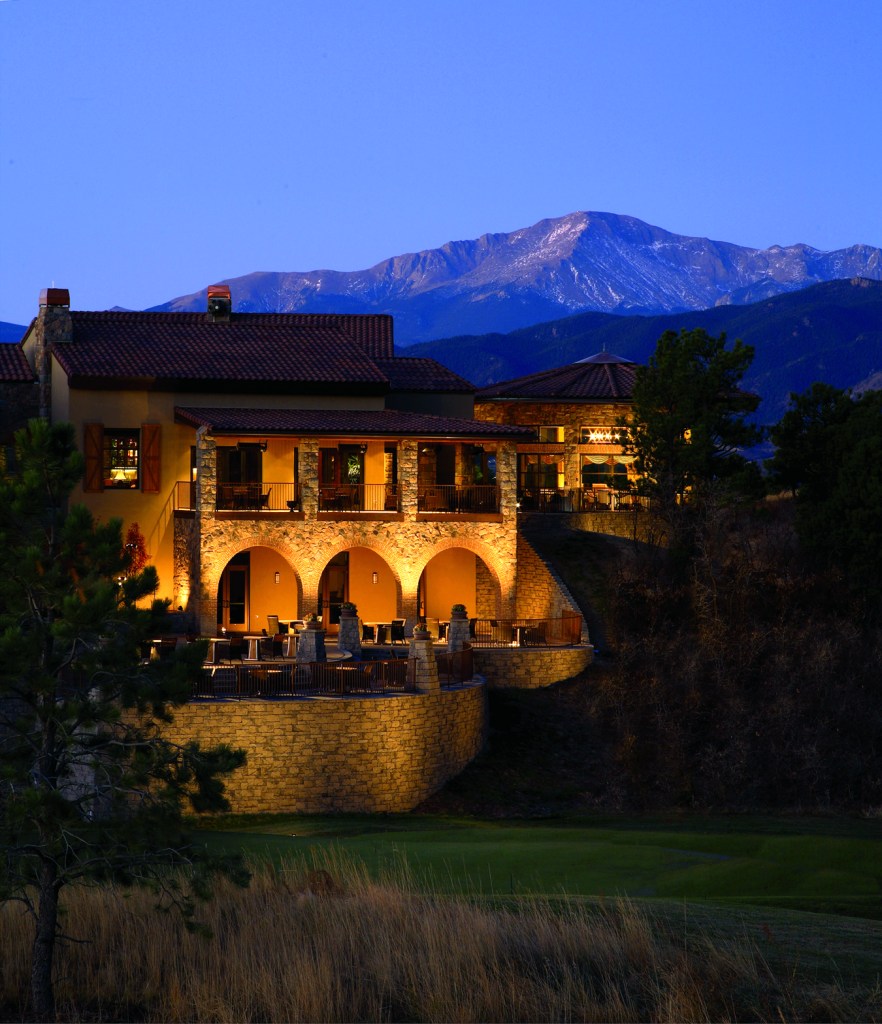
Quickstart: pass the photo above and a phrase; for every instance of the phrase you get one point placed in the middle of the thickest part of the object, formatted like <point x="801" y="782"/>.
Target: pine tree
<point x="89" y="788"/>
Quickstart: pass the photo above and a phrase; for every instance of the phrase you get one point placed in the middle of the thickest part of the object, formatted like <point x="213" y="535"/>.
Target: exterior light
<point x="375" y="578"/>
<point x="278" y="577"/>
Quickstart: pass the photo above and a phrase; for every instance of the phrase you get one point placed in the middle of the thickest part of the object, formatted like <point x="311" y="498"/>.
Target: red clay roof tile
<point x="14" y="367"/>
<point x="599" y="378"/>
<point x="357" y="423"/>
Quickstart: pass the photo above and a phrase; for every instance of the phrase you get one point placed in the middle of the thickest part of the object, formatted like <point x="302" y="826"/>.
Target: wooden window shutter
<point x="93" y="452"/>
<point x="150" y="463"/>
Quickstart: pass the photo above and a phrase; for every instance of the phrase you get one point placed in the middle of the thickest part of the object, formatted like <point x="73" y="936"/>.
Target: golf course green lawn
<point x="826" y="865"/>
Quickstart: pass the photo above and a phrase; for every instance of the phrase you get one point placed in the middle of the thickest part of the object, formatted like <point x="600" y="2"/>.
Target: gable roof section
<point x="344" y="422"/>
<point x="411" y="373"/>
<point x="599" y="378"/>
<point x="14" y="367"/>
<point x="280" y="352"/>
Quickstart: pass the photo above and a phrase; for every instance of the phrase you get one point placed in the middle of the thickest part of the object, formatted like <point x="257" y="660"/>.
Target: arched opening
<point x="363" y="576"/>
<point x="256" y="583"/>
<point x="457" y="576"/>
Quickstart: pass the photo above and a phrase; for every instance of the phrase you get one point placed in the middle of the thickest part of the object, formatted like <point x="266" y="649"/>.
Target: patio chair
<point x="396" y="632"/>
<point x="272" y="625"/>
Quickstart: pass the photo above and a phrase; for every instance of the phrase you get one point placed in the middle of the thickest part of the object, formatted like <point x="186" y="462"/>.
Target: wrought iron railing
<point x="184" y="496"/>
<point x="304" y="679"/>
<point x="455" y="667"/>
<point x="358" y="498"/>
<point x="258" y="497"/>
<point x="577" y="499"/>
<point x="468" y="498"/>
<point x="565" y="631"/>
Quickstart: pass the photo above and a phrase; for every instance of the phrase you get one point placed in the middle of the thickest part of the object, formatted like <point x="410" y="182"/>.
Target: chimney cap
<point x="55" y="297"/>
<point x="219" y="291"/>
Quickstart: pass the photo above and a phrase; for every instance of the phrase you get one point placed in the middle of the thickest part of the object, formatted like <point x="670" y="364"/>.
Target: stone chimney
<point x="52" y="327"/>
<point x="220" y="303"/>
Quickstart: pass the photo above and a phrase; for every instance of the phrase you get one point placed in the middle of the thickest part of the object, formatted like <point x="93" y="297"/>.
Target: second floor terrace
<point x="302" y="463"/>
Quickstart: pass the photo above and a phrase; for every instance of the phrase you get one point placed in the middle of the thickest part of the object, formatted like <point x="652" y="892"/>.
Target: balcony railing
<point x="356" y="499"/>
<point x="577" y="499"/>
<point x="359" y="498"/>
<point x="468" y="498"/>
<point x="258" y="497"/>
<point x="304" y="679"/>
<point x="565" y="631"/>
<point x="184" y="496"/>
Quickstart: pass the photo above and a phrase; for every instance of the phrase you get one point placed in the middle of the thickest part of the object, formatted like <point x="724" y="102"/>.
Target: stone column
<point x="422" y="665"/>
<point x="349" y="637"/>
<point x="206" y="475"/>
<point x="408" y="477"/>
<point x="308" y="468"/>
<point x="457" y="634"/>
<point x="507" y="477"/>
<point x="311" y="645"/>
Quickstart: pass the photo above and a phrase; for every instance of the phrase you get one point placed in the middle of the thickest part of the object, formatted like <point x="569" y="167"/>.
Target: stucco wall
<point x="359" y="754"/>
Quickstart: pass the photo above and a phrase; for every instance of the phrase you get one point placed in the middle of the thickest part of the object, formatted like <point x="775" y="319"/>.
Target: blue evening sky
<point x="150" y="147"/>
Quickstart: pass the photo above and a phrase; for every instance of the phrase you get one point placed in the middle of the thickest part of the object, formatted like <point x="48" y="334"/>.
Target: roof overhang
<point x="386" y="423"/>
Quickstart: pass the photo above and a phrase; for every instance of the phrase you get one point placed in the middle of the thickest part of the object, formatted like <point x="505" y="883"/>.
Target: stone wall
<point x="572" y="416"/>
<point x="407" y="541"/>
<point x="357" y="754"/>
<point x="541" y="594"/>
<point x="529" y="667"/>
<point x="640" y="526"/>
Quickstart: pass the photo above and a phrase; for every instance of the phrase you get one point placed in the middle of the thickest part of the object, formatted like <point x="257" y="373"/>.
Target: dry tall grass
<point x="329" y="944"/>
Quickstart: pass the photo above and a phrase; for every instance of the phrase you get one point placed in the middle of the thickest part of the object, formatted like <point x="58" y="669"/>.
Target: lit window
<point x="551" y="435"/>
<point x="600" y="435"/>
<point x="121" y="458"/>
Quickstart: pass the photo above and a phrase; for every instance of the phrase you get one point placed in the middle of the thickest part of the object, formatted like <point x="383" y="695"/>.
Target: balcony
<point x="577" y="499"/>
<point x="478" y="499"/>
<point x="359" y="498"/>
<point x="253" y="498"/>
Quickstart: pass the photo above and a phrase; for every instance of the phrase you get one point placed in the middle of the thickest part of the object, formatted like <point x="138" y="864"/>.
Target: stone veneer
<point x="572" y="416"/>
<point x="407" y="542"/>
<point x="529" y="668"/>
<point x="343" y="754"/>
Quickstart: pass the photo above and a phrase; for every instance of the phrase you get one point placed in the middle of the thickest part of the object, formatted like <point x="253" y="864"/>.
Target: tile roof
<point x="358" y="423"/>
<point x="277" y="351"/>
<point x="411" y="373"/>
<point x="14" y="368"/>
<point x="603" y="377"/>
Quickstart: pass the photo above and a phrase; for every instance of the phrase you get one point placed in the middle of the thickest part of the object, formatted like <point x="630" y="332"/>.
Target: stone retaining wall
<point x="358" y="754"/>
<point x="529" y="667"/>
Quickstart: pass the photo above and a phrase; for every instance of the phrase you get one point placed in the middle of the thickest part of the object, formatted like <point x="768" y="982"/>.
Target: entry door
<point x="235" y="597"/>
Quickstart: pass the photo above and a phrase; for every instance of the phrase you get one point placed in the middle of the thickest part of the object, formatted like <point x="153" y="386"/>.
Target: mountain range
<point x="829" y="332"/>
<point x="581" y="262"/>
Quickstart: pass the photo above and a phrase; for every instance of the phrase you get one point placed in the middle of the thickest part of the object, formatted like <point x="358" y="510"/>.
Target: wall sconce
<point x="375" y="578"/>
<point x="278" y="577"/>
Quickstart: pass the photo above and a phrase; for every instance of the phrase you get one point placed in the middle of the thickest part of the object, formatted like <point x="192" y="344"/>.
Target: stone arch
<point x="221" y="555"/>
<point x="385" y="563"/>
<point x="501" y="582"/>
